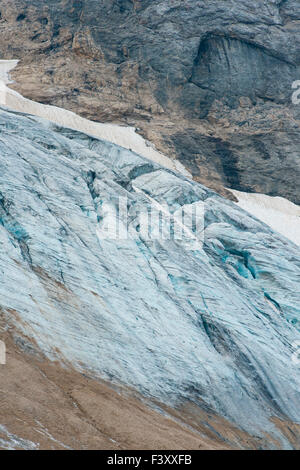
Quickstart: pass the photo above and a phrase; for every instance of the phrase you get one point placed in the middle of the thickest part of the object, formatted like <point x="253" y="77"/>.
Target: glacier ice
<point x="215" y="325"/>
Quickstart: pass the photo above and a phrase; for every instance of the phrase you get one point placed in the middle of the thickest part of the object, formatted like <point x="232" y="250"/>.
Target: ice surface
<point x="5" y="67"/>
<point x="215" y="325"/>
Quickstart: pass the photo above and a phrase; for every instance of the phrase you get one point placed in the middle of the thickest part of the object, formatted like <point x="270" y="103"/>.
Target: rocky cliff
<point x="209" y="82"/>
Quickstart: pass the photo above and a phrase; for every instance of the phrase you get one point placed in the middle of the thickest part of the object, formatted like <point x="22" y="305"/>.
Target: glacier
<point x="214" y="325"/>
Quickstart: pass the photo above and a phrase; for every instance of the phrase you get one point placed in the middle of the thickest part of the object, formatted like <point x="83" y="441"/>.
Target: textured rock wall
<point x="209" y="82"/>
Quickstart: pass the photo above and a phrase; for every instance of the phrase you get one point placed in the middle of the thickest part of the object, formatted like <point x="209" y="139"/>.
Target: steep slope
<point x="209" y="82"/>
<point x="206" y="321"/>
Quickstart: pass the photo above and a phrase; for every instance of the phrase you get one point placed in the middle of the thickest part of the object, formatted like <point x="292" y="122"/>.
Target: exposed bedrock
<point x="181" y="70"/>
<point x="254" y="163"/>
<point x="228" y="69"/>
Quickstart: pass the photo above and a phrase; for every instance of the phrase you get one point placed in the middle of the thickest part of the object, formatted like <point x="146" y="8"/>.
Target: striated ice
<point x="213" y="325"/>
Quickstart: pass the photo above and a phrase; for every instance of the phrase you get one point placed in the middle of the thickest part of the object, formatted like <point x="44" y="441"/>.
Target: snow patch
<point x="5" y="67"/>
<point x="280" y="214"/>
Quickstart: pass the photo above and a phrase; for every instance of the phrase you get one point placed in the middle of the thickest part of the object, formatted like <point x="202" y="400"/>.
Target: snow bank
<point x="5" y="67"/>
<point x="280" y="214"/>
<point x="123" y="136"/>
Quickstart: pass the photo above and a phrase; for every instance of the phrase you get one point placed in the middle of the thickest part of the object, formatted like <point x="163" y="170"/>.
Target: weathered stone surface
<point x="262" y="162"/>
<point x="46" y="406"/>
<point x="216" y="72"/>
<point x="188" y="325"/>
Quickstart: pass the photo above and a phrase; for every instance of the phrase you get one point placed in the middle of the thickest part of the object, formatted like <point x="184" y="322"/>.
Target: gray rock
<point x="169" y="67"/>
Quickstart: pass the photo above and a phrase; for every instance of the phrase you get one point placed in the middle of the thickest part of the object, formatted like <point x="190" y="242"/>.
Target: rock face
<point x="209" y="323"/>
<point x="47" y="406"/>
<point x="209" y="82"/>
